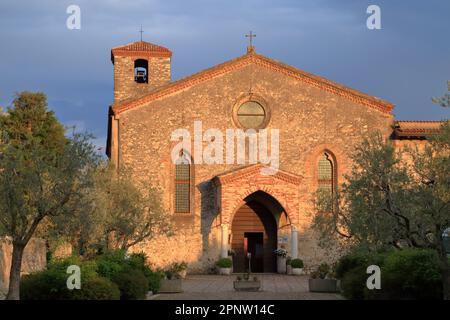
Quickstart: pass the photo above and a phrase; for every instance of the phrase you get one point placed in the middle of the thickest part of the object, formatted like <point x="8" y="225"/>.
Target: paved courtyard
<point x="274" y="287"/>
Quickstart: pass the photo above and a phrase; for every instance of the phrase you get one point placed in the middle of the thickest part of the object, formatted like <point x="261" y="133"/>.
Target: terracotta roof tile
<point x="416" y="128"/>
<point x="140" y="48"/>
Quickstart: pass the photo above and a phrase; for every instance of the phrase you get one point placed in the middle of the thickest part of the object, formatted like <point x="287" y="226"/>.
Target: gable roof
<point x="140" y="48"/>
<point x="260" y="60"/>
<point x="416" y="129"/>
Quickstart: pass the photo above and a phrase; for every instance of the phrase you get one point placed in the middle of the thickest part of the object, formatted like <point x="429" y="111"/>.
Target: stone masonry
<point x="313" y="116"/>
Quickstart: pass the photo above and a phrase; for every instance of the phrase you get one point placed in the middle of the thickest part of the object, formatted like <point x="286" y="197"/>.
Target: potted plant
<point x="224" y="265"/>
<point x="172" y="282"/>
<point x="231" y="255"/>
<point x="180" y="268"/>
<point x="320" y="280"/>
<point x="247" y="283"/>
<point x="297" y="267"/>
<point x="281" y="260"/>
<point x="288" y="265"/>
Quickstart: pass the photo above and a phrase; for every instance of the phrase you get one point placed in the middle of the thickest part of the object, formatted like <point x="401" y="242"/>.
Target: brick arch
<point x="236" y="185"/>
<point x="240" y="201"/>
<point x="341" y="162"/>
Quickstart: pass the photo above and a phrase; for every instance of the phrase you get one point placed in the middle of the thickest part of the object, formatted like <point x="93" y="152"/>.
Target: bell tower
<point x="139" y="67"/>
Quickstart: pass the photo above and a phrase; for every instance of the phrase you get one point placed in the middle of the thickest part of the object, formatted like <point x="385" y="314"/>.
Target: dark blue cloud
<point x="407" y="62"/>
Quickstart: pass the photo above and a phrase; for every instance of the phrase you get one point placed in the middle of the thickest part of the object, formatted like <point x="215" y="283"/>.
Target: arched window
<point x="325" y="173"/>
<point x="182" y="184"/>
<point x="141" y="71"/>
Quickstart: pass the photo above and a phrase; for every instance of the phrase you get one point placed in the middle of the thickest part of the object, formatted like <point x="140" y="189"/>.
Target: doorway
<point x="254" y="250"/>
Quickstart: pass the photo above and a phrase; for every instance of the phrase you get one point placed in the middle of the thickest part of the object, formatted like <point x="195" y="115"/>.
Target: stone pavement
<point x="274" y="287"/>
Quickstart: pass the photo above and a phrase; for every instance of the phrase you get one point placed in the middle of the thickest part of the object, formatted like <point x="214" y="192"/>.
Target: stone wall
<point x="34" y="259"/>
<point x="124" y="85"/>
<point x="310" y="120"/>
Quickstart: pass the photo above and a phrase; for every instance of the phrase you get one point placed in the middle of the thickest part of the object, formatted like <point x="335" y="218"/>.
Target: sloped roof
<point x="260" y="60"/>
<point x="416" y="128"/>
<point x="140" y="48"/>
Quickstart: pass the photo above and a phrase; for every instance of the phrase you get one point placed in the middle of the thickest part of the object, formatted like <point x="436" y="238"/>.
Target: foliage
<point x="412" y="274"/>
<point x="444" y="101"/>
<point x="297" y="263"/>
<point x="132" y="283"/>
<point x="154" y="280"/>
<point x="111" y="276"/>
<point x="393" y="198"/>
<point x="42" y="172"/>
<point x="45" y="285"/>
<point x="97" y="288"/>
<point x="224" y="263"/>
<point x="322" y="271"/>
<point x="353" y="283"/>
<point x="405" y="274"/>
<point x="116" y="214"/>
<point x="51" y="284"/>
<point x="280" y="252"/>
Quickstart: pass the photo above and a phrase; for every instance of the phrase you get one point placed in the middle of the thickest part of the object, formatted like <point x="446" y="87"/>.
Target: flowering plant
<point x="281" y="252"/>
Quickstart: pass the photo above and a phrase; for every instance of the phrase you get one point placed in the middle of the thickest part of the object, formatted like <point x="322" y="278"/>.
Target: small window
<point x="251" y="115"/>
<point x="325" y="173"/>
<point x="182" y="185"/>
<point x="141" y="71"/>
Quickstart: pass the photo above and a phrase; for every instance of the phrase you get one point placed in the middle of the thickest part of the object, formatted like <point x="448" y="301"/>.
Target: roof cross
<point x="141" y="31"/>
<point x="250" y="35"/>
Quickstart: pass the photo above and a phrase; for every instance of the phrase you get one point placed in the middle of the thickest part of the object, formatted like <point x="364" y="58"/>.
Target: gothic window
<point x="141" y="71"/>
<point x="251" y="115"/>
<point x="325" y="173"/>
<point x="182" y="185"/>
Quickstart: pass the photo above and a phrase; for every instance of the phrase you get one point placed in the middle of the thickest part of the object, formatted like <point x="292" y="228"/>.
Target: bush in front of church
<point x="405" y="274"/>
<point x="51" y="284"/>
<point x="132" y="283"/>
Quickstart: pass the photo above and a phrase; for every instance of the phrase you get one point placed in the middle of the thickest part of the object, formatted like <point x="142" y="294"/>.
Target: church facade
<point x="221" y="200"/>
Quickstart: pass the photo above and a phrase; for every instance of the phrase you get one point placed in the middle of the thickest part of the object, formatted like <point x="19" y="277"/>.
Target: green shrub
<point x="111" y="263"/>
<point x="321" y="272"/>
<point x="353" y="283"/>
<point x="297" y="263"/>
<point x="97" y="289"/>
<point x="51" y="284"/>
<point x="224" y="263"/>
<point x="349" y="262"/>
<point x="44" y="285"/>
<point x="412" y="274"/>
<point x="132" y="283"/>
<point x="154" y="280"/>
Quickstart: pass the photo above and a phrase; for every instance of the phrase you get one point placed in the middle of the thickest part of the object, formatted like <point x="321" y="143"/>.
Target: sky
<point x="407" y="62"/>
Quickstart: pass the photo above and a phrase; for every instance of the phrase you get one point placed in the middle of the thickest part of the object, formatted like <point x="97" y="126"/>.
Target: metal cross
<point x="251" y="36"/>
<point x="141" y="31"/>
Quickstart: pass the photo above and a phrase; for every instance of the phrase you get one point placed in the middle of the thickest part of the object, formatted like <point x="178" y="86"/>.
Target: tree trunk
<point x="14" y="275"/>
